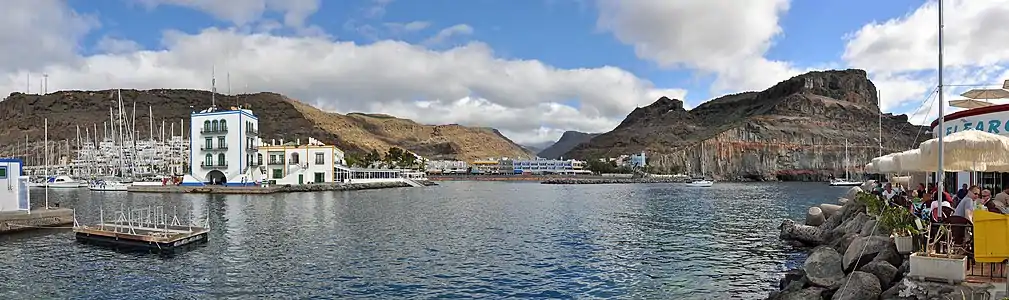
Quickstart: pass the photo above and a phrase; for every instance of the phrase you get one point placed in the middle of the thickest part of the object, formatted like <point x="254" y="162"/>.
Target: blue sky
<point x="532" y="68"/>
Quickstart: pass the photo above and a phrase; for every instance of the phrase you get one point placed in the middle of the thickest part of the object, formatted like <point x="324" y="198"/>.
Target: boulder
<point x="864" y="249"/>
<point x="854" y="224"/>
<point x="797" y="232"/>
<point x="883" y="271"/>
<point x="860" y="286"/>
<point x="823" y="267"/>
<point x="868" y="228"/>
<point x="841" y="244"/>
<point x="829" y="209"/>
<point x="842" y="201"/>
<point x="908" y="289"/>
<point x="814" y="216"/>
<point x="793" y="278"/>
<point x="853" y="192"/>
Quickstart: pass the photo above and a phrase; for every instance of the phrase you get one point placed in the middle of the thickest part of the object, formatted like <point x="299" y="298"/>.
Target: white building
<point x="13" y="186"/>
<point x="223" y="145"/>
<point x="297" y="163"/>
<point x="447" y="166"/>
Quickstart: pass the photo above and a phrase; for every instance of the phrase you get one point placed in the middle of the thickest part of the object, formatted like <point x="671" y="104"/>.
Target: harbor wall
<point x="317" y="187"/>
<point x="36" y="218"/>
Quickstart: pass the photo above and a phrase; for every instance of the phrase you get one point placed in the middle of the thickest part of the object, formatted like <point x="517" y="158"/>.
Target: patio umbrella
<point x="986" y="94"/>
<point x="970" y="150"/>
<point x="969" y="103"/>
<point x="870" y="168"/>
<point x="887" y="165"/>
<point x="908" y="161"/>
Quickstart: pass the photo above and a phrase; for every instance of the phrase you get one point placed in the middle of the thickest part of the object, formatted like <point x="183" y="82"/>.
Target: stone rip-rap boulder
<point x="908" y="289"/>
<point x="860" y="286"/>
<point x="810" y="293"/>
<point x="814" y="216"/>
<point x="853" y="192"/>
<point x="864" y="250"/>
<point x="809" y="235"/>
<point x="883" y="271"/>
<point x="823" y="267"/>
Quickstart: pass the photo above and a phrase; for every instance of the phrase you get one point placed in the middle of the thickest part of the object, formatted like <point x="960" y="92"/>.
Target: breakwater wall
<point x="853" y="258"/>
<point x="318" y="187"/>
<point x="15" y="221"/>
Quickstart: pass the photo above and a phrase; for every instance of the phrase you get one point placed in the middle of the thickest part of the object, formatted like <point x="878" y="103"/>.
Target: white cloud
<point x="727" y="38"/>
<point x="407" y="27"/>
<point x="448" y="33"/>
<point x="114" y="45"/>
<point x="33" y="33"/>
<point x="467" y="84"/>
<point x="903" y="52"/>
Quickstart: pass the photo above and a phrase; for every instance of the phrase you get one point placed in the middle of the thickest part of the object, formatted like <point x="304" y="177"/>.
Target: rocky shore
<point x="853" y="258"/>
<point x="609" y="180"/>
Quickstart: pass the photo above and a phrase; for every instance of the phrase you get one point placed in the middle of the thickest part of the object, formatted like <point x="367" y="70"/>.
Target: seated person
<point x="967" y="205"/>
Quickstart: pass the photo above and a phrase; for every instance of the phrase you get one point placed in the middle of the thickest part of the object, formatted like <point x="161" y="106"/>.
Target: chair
<point x="960" y="229"/>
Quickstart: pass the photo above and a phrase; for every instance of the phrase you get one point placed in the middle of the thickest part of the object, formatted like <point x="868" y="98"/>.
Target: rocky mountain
<point x="796" y="130"/>
<point x="568" y="141"/>
<point x="279" y="118"/>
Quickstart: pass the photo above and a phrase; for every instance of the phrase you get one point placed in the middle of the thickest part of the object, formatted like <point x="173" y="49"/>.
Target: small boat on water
<point x="62" y="182"/>
<point x="844" y="182"/>
<point x="700" y="182"/>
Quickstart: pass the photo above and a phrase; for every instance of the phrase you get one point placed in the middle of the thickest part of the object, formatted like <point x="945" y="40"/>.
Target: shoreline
<point x="319" y="187"/>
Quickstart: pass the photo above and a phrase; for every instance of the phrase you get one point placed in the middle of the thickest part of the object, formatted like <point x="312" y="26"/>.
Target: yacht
<point x="699" y="182"/>
<point x="845" y="181"/>
<point x="109" y="185"/>
<point x="62" y="182"/>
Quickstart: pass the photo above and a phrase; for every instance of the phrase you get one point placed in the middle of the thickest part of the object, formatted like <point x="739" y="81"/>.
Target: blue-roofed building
<point x="13" y="186"/>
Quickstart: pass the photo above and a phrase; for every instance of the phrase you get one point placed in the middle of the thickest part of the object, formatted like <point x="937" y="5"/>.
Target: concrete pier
<point x="12" y="221"/>
<point x="319" y="187"/>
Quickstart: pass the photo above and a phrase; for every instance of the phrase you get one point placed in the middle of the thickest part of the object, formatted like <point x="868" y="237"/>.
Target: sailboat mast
<point x="879" y="102"/>
<point x="846" y="159"/>
<point x="939" y="130"/>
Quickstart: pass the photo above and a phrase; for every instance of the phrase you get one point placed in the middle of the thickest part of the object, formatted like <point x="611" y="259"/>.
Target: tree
<point x="371" y="158"/>
<point x="597" y="166"/>
<point x="407" y="160"/>
<point x="353" y="159"/>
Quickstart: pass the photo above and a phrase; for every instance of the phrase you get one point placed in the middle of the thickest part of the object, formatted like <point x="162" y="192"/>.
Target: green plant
<point x="898" y="221"/>
<point x="874" y="205"/>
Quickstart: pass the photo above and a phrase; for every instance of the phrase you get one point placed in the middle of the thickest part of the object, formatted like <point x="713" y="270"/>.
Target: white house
<point x="297" y="163"/>
<point x="222" y="146"/>
<point x="13" y="186"/>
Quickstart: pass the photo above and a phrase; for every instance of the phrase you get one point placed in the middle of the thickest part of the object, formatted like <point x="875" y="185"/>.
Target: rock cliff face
<point x="568" y="141"/>
<point x="795" y="130"/>
<point x="279" y="118"/>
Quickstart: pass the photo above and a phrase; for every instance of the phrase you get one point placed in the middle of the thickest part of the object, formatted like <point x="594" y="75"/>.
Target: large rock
<point x="853" y="192"/>
<point x="883" y="271"/>
<point x="811" y="293"/>
<point x="861" y="286"/>
<point x="864" y="249"/>
<point x="908" y="289"/>
<point x="829" y="209"/>
<point x="789" y="230"/>
<point x="823" y="267"/>
<point x="762" y="135"/>
<point x="814" y="216"/>
<point x="794" y="279"/>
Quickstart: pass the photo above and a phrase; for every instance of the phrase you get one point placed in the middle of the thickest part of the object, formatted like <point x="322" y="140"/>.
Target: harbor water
<point x="457" y="240"/>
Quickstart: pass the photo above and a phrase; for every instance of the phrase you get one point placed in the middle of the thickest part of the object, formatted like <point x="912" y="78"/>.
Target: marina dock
<point x="13" y="221"/>
<point x="145" y="229"/>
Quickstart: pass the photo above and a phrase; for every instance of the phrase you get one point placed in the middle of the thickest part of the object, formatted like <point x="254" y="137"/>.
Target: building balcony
<point x="218" y="148"/>
<point x="292" y="161"/>
<point x="214" y="130"/>
<point x="251" y="131"/>
<point x="214" y="166"/>
<point x="252" y="147"/>
<point x="275" y="162"/>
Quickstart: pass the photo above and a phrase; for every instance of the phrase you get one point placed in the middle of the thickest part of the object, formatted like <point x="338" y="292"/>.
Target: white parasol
<point x="969" y="150"/>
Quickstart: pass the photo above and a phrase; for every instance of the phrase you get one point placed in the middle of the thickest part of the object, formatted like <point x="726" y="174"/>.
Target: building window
<point x="3" y="172"/>
<point x="206" y="125"/>
<point x="220" y="143"/>
<point x="213" y="125"/>
<point x="220" y="160"/>
<point x="278" y="173"/>
<point x="210" y="144"/>
<point x="294" y="158"/>
<point x="320" y="158"/>
<point x="259" y="159"/>
<point x="320" y="177"/>
<point x="209" y="161"/>
<point x="224" y="125"/>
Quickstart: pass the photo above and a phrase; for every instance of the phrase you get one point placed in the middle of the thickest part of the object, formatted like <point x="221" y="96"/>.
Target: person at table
<point x="967" y="205"/>
<point x="889" y="192"/>
<point x="1001" y="199"/>
<point x="962" y="192"/>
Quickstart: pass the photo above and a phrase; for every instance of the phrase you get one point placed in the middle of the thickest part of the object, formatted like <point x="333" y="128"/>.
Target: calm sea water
<point x="457" y="240"/>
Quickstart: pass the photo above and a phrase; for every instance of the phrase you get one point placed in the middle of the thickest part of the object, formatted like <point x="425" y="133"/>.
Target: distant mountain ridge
<point x="279" y="118"/>
<point x="568" y="141"/>
<point x="794" y="130"/>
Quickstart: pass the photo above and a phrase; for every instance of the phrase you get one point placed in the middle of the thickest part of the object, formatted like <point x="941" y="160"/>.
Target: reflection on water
<point x="460" y="239"/>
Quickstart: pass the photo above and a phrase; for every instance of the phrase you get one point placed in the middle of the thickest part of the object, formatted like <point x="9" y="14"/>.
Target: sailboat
<point x="845" y="181"/>
<point x="700" y="181"/>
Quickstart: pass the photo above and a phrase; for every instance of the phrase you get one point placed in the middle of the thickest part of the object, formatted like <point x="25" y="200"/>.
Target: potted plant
<point x="902" y="226"/>
<point x="936" y="263"/>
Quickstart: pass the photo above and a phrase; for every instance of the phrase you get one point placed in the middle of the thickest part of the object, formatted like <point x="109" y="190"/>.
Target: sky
<point x="530" y="68"/>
